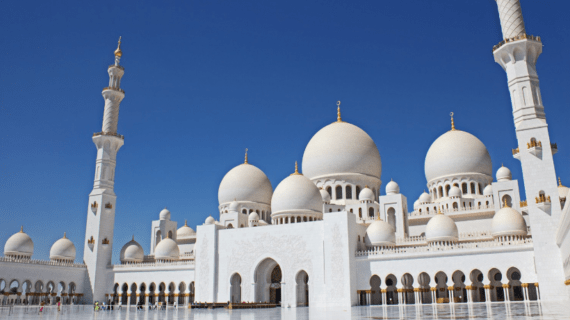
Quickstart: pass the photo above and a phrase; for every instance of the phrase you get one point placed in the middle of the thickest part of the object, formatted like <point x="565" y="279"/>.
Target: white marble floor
<point x="513" y="311"/>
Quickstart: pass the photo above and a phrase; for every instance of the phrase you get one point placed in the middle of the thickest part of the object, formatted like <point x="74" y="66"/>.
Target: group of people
<point x="43" y="304"/>
<point x="140" y="306"/>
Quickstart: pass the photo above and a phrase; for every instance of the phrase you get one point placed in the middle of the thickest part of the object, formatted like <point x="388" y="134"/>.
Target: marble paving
<point x="514" y="310"/>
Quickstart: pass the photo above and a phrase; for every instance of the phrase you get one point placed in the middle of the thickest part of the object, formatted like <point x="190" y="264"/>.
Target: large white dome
<point x="341" y="148"/>
<point x="19" y="245"/>
<point x="62" y="249"/>
<point x="166" y="249"/>
<point x="245" y="183"/>
<point x="296" y="194"/>
<point x="508" y="222"/>
<point x="441" y="228"/>
<point x="132" y="252"/>
<point x="380" y="233"/>
<point x="457" y="152"/>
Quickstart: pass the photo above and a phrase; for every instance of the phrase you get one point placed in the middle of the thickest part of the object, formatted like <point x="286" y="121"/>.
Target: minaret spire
<point x="245" y="162"/>
<point x="517" y="54"/>
<point x="452" y="123"/>
<point x="338" y="118"/>
<point x="97" y="251"/>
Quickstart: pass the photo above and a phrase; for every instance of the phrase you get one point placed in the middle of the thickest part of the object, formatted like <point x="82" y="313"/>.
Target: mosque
<point x="327" y="235"/>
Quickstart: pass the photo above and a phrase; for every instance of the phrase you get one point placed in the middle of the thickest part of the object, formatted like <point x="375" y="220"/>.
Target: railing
<point x="435" y="248"/>
<point x="542" y="198"/>
<point x="554" y="146"/>
<point x="43" y="262"/>
<point x="521" y="37"/>
<point x="153" y="264"/>
<point x="523" y="204"/>
<point x="460" y="209"/>
<point x="515" y="151"/>
<point x="117" y="66"/>
<point x="533" y="144"/>
<point x="116" y="89"/>
<point x="108" y="134"/>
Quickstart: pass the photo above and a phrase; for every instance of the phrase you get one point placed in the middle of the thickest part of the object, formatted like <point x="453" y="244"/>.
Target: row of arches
<point x="18" y="292"/>
<point x="152" y="294"/>
<point x="346" y="192"/>
<point x="494" y="286"/>
<point x="472" y="188"/>
<point x="268" y="281"/>
<point x="457" y="205"/>
<point x="293" y="219"/>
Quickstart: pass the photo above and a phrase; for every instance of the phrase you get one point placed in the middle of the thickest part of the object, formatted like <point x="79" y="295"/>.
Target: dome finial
<point x="133" y="238"/>
<point x="21" y="229"/>
<point x="185" y="223"/>
<point x="559" y="182"/>
<point x="505" y="204"/>
<point x="245" y="162"/>
<point x="438" y="210"/>
<point x="118" y="52"/>
<point x="452" y="123"/>
<point x="338" y="118"/>
<point x="296" y="170"/>
<point x="64" y="235"/>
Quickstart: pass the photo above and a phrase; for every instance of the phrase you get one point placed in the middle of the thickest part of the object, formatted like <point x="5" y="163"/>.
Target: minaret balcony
<point x="535" y="148"/>
<point x="543" y="202"/>
<point x="516" y="154"/>
<point x="554" y="148"/>
<point x="108" y="134"/>
<point x="116" y="89"/>
<point x="517" y="38"/>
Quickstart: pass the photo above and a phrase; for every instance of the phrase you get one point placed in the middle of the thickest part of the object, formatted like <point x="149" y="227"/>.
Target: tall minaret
<point x="517" y="54"/>
<point x="101" y="210"/>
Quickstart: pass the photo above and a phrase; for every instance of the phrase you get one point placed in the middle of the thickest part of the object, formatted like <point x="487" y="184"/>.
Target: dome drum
<point x="470" y="185"/>
<point x="349" y="189"/>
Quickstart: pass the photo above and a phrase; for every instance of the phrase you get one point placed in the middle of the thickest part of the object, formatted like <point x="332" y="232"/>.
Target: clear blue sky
<point x="206" y="79"/>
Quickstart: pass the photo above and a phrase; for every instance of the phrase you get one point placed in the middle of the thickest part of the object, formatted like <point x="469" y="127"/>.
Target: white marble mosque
<point x="328" y="235"/>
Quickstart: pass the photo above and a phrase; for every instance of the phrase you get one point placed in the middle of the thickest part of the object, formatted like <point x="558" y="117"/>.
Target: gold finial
<point x="366" y="187"/>
<point x="439" y="211"/>
<point x="185" y="223"/>
<point x="296" y="173"/>
<point x="338" y="118"/>
<point x="245" y="162"/>
<point x="559" y="182"/>
<point x="133" y="238"/>
<point x="118" y="52"/>
<point x="452" y="123"/>
<point x="21" y="229"/>
<point x="64" y="235"/>
<point x="505" y="204"/>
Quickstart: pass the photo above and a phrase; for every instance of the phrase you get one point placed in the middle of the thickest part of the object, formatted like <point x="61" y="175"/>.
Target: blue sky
<point x="206" y="79"/>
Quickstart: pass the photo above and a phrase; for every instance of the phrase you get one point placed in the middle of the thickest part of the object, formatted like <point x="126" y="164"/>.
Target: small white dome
<point x="297" y="194"/>
<point x="166" y="249"/>
<point x="457" y="152"/>
<point x="245" y="183"/>
<point x="253" y="216"/>
<point x="132" y="252"/>
<point x="164" y="214"/>
<point x="455" y="192"/>
<point x="366" y="194"/>
<point x="62" y="249"/>
<point x="210" y="220"/>
<point x="19" y="245"/>
<point x="508" y="222"/>
<point x="392" y="188"/>
<point x="441" y="228"/>
<point x="416" y="204"/>
<point x="185" y="232"/>
<point x="504" y="174"/>
<point x="234" y="206"/>
<point x="425" y="198"/>
<point x="341" y="148"/>
<point x="325" y="195"/>
<point x="488" y="191"/>
<point x="380" y="233"/>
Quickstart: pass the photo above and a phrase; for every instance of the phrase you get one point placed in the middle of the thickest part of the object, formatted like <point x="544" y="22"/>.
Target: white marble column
<point x="384" y="301"/>
<point x="537" y="291"/>
<point x="525" y="291"/>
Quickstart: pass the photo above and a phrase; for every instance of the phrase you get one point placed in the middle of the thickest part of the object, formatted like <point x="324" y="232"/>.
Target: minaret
<point x="517" y="54"/>
<point x="101" y="210"/>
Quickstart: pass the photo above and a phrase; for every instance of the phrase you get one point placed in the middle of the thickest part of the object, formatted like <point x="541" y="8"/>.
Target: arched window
<point x="230" y="226"/>
<point x="358" y="238"/>
<point x="480" y="188"/>
<point x="440" y="192"/>
<point x="427" y="209"/>
<point x="456" y="185"/>
<point x="455" y="206"/>
<point x="371" y="212"/>
<point x="170" y="234"/>
<point x="434" y="192"/>
<point x="338" y="192"/>
<point x="391" y="217"/>
<point x="351" y="211"/>
<point x="244" y="211"/>
<point x="464" y="188"/>
<point x="357" y="192"/>
<point x="329" y="190"/>
<point x="360" y="212"/>
<point x="473" y="188"/>
<point x="447" y="187"/>
<point x="158" y="237"/>
<point x="506" y="198"/>
<point x="330" y="210"/>
<point x="348" y="192"/>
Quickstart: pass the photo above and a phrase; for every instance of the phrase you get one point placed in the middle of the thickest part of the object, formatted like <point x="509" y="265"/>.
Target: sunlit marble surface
<point x="518" y="310"/>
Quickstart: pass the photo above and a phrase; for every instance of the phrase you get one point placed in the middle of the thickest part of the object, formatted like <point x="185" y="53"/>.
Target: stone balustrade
<point x="43" y="262"/>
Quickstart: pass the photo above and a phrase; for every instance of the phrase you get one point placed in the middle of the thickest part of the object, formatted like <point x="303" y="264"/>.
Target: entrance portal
<point x="268" y="279"/>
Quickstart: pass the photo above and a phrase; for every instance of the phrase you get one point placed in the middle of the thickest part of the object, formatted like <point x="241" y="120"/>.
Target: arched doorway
<point x="235" y="288"/>
<point x="302" y="280"/>
<point x="268" y="282"/>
